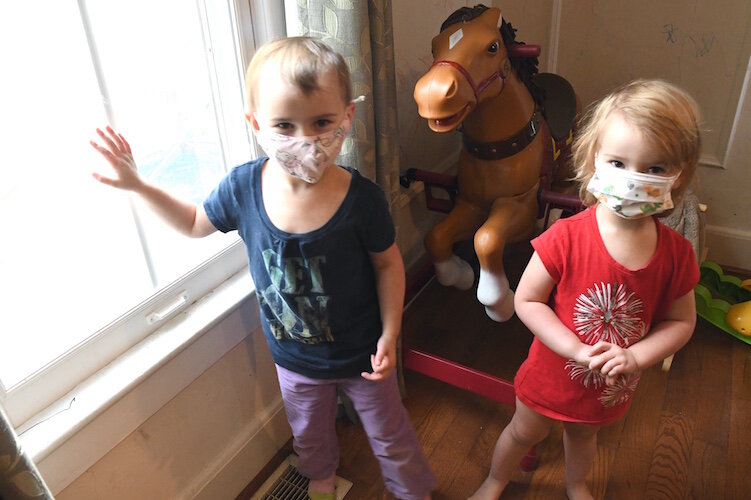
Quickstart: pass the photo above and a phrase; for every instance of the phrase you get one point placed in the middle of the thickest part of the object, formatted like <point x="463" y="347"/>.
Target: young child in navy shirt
<point x="321" y="246"/>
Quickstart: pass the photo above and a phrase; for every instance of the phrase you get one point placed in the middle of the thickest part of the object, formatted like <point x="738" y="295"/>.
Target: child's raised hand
<point x="383" y="361"/>
<point x="612" y="360"/>
<point x="116" y="151"/>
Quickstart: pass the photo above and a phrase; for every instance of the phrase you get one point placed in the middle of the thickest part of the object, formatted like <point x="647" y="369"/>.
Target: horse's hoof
<point x="503" y="310"/>
<point x="466" y="279"/>
<point x="492" y="289"/>
<point x="455" y="272"/>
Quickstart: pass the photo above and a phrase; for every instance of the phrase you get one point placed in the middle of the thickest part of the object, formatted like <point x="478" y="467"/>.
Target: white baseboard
<point x="729" y="247"/>
<point x="255" y="448"/>
<point x="121" y="397"/>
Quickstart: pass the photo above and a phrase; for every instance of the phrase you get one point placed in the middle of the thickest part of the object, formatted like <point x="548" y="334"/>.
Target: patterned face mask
<point x="631" y="195"/>
<point x="304" y="157"/>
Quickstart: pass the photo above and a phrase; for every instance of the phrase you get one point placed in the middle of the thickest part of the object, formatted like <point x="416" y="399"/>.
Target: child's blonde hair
<point x="300" y="61"/>
<point x="663" y="112"/>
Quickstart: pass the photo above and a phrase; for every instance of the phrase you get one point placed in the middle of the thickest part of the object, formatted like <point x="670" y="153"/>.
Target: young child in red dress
<point x="608" y="292"/>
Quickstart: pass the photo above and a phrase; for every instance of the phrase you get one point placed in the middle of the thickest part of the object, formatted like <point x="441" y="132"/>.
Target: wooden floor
<point x="687" y="434"/>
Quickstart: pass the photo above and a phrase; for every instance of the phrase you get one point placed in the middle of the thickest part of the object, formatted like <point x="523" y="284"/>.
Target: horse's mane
<point x="463" y="15"/>
<point x="525" y="67"/>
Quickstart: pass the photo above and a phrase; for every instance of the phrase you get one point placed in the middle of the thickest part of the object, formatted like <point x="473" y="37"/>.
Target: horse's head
<point x="470" y="64"/>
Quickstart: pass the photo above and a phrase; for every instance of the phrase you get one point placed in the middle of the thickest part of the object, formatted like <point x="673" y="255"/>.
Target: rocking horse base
<point x="445" y="345"/>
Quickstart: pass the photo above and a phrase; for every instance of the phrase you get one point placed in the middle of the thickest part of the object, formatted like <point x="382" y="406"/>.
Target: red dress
<point x="599" y="299"/>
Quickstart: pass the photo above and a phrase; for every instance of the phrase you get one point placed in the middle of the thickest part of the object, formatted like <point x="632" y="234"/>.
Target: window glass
<point x="78" y="255"/>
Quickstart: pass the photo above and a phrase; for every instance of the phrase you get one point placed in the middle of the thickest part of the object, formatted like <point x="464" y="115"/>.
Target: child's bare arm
<point x="184" y="217"/>
<point x="668" y="336"/>
<point x="531" y="304"/>
<point x="663" y="340"/>
<point x="389" y="272"/>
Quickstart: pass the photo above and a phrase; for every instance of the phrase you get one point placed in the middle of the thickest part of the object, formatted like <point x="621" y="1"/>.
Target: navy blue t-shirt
<point x="317" y="291"/>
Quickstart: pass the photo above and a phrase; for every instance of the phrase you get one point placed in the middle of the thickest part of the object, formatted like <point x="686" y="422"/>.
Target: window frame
<point x="33" y="400"/>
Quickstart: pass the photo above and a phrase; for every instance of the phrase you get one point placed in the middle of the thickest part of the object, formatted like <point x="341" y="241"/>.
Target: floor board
<point x="687" y="434"/>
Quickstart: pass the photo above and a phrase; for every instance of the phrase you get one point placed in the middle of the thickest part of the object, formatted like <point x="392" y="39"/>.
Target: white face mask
<point x="631" y="195"/>
<point x="304" y="157"/>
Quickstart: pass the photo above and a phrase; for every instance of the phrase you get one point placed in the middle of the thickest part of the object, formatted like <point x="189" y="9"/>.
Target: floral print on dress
<point x="591" y="379"/>
<point x="611" y="313"/>
<point x="621" y="391"/>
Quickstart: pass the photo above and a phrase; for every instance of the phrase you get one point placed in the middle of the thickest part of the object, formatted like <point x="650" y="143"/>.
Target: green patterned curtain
<point x="19" y="478"/>
<point x="362" y="32"/>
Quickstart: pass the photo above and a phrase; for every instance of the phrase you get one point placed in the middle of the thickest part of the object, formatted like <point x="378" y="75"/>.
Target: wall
<point x="704" y="46"/>
<point x="207" y="442"/>
<point x="211" y="439"/>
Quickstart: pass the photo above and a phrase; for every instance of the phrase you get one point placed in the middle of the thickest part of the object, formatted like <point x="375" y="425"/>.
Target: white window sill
<point x="80" y="428"/>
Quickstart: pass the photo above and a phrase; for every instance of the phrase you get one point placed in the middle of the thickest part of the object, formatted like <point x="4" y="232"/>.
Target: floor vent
<point x="287" y="484"/>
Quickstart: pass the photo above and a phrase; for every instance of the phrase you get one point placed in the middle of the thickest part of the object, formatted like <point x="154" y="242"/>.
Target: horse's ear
<point x="491" y="17"/>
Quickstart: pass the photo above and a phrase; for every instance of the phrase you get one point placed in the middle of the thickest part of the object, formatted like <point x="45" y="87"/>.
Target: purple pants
<point x="311" y="406"/>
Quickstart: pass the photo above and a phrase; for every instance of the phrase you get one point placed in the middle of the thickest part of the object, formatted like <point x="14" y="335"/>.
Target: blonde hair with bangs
<point x="663" y="112"/>
<point x="300" y="61"/>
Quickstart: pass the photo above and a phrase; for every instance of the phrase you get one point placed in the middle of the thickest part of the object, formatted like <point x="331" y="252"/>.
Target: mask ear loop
<point x="358" y="99"/>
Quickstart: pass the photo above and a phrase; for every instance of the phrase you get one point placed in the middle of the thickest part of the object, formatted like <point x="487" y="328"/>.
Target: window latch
<point x="175" y="305"/>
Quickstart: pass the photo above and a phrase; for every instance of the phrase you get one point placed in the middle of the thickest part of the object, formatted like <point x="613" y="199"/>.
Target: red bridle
<point x="476" y="88"/>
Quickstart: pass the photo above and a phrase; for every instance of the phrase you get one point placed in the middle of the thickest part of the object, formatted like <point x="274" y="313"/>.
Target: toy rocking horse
<point x="485" y="82"/>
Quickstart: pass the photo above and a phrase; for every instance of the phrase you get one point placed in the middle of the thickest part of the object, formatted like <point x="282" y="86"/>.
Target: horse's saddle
<point x="559" y="106"/>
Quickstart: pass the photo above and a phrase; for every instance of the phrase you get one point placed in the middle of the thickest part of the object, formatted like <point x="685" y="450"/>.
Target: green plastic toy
<point x="716" y="293"/>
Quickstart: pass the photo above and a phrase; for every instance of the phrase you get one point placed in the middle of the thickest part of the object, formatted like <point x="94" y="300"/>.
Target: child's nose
<point x="307" y="131"/>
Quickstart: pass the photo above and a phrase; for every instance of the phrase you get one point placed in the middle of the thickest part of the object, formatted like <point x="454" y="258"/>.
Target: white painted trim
<point x="729" y="247"/>
<point x="555" y="36"/>
<point x="257" y="445"/>
<point x="246" y="30"/>
<point x="711" y="161"/>
<point x="738" y="112"/>
<point x="41" y="393"/>
<point x="268" y="20"/>
<point x="291" y="18"/>
<point x="68" y="438"/>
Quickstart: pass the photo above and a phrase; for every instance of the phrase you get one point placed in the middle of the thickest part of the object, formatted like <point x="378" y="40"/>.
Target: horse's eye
<point x="493" y="48"/>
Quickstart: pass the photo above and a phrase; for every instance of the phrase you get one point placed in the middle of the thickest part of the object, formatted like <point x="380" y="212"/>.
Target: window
<point x="86" y="271"/>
